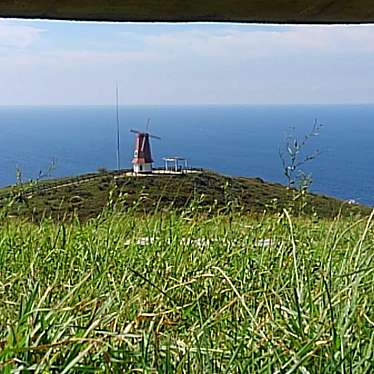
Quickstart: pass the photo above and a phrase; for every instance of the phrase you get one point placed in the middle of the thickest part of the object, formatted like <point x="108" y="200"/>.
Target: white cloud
<point x="294" y="40"/>
<point x="228" y="64"/>
<point x="17" y="35"/>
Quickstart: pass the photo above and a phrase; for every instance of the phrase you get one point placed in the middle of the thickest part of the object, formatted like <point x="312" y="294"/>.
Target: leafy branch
<point x="293" y="158"/>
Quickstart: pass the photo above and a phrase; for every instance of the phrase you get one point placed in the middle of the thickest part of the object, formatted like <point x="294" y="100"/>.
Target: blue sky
<point x="71" y="63"/>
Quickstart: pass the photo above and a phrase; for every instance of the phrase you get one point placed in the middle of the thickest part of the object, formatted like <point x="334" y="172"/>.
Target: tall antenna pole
<point x="118" y="143"/>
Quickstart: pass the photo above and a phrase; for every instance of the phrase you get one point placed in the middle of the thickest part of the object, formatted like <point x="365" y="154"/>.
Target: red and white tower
<point x="142" y="161"/>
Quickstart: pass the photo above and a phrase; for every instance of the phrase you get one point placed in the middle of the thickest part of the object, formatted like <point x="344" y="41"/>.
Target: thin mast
<point x="118" y="143"/>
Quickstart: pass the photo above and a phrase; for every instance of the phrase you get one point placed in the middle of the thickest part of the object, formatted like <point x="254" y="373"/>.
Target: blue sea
<point x="233" y="140"/>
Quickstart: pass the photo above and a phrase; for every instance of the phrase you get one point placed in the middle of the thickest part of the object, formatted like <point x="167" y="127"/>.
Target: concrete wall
<point x="142" y="168"/>
<point x="279" y="11"/>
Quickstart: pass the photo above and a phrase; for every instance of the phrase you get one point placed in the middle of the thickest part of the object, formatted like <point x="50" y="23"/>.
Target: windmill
<point x="142" y="161"/>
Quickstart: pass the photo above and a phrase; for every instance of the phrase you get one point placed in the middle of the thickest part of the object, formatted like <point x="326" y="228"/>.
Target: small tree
<point x="293" y="158"/>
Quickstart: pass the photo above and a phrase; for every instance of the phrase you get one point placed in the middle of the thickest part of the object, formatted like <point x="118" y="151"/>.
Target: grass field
<point x="187" y="293"/>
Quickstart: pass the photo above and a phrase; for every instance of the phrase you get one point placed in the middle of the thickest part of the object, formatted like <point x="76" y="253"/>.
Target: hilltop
<point x="88" y="194"/>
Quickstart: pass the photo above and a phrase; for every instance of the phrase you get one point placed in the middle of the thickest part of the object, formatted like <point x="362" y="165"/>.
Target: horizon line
<point x="187" y="104"/>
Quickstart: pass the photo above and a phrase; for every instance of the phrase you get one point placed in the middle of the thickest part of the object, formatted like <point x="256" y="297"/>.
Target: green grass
<point x="204" y="296"/>
<point x="87" y="195"/>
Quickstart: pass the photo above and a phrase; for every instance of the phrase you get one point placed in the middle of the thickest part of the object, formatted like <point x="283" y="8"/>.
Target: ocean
<point x="233" y="140"/>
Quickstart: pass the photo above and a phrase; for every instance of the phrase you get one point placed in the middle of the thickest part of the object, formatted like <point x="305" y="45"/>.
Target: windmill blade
<point x="148" y="125"/>
<point x="135" y="131"/>
<point x="143" y="144"/>
<point x="154" y="137"/>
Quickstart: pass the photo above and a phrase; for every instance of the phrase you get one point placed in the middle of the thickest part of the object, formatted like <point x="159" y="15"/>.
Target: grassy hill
<point x="87" y="195"/>
<point x="209" y="280"/>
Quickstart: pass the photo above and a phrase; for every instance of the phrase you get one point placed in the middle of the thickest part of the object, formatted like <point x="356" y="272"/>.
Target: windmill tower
<point x="142" y="161"/>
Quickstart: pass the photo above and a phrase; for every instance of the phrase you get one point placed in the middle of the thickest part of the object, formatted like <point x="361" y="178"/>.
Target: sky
<point x="79" y="63"/>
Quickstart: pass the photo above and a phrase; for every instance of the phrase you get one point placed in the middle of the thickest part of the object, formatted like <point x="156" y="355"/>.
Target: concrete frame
<point x="274" y="11"/>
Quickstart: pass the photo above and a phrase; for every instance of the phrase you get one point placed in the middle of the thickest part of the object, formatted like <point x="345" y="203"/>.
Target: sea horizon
<point x="188" y="105"/>
<point x="238" y="140"/>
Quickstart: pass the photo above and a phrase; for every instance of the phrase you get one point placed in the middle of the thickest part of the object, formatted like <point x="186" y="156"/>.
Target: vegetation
<point x="294" y="158"/>
<point x="187" y="292"/>
<point x="191" y="273"/>
<point x="87" y="195"/>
